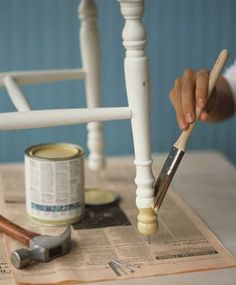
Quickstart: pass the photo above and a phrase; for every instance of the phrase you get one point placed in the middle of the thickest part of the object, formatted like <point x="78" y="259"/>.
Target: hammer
<point x="39" y="247"/>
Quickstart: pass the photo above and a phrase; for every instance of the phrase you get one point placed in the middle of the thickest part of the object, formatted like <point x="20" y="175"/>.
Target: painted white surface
<point x="60" y="117"/>
<point x="16" y="95"/>
<point x="42" y="76"/>
<point x="90" y="55"/>
<point x="137" y="81"/>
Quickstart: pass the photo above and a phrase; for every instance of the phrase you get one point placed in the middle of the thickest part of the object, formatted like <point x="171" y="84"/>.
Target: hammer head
<point x="43" y="248"/>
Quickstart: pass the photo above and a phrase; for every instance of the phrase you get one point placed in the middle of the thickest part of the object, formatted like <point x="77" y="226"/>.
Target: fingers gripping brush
<point x="178" y="150"/>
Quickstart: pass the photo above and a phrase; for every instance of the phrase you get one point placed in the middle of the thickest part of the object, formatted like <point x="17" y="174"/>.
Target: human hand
<point x="189" y="91"/>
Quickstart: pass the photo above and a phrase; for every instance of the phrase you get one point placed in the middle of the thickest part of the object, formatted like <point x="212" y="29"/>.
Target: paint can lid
<point x="99" y="197"/>
<point x="54" y="151"/>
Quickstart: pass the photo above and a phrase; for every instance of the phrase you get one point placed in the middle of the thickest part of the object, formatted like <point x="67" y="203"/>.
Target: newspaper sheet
<point x="6" y="277"/>
<point x="5" y="271"/>
<point x="107" y="246"/>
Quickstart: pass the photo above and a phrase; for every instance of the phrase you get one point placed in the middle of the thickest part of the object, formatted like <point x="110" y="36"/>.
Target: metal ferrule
<point x="173" y="160"/>
<point x="168" y="170"/>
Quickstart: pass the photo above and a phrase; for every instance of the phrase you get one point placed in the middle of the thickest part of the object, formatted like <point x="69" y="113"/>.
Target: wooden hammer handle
<point x="182" y="141"/>
<point x="16" y="232"/>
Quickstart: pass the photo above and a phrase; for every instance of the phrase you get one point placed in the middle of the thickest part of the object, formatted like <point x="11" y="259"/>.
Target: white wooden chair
<point x="138" y="91"/>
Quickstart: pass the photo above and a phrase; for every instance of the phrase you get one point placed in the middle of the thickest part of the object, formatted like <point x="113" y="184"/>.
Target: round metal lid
<point x="99" y="196"/>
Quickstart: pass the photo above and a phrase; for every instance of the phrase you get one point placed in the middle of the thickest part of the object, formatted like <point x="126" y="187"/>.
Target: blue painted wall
<point x="42" y="34"/>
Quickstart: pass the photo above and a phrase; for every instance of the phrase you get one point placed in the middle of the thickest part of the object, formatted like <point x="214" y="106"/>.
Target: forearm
<point x="224" y="106"/>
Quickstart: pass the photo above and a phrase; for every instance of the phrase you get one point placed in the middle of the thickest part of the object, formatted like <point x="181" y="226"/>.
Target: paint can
<point x="54" y="182"/>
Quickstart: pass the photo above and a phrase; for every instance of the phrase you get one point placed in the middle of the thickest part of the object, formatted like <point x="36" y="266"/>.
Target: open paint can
<point x="54" y="181"/>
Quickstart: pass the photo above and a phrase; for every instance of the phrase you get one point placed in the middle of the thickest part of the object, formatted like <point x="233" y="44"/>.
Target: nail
<point x="182" y="124"/>
<point x="189" y="117"/>
<point x="204" y="116"/>
<point x="201" y="102"/>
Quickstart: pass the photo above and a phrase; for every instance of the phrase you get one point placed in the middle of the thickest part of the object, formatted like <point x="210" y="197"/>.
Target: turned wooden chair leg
<point x="89" y="44"/>
<point x="138" y="91"/>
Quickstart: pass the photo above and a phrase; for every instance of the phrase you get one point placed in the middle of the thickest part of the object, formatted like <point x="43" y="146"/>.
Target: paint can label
<point x="54" y="179"/>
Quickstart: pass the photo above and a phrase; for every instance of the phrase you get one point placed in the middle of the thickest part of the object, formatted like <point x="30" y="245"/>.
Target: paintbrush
<point x="178" y="150"/>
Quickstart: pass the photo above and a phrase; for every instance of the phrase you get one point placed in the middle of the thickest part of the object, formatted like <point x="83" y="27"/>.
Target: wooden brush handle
<point x="22" y="235"/>
<point x="182" y="141"/>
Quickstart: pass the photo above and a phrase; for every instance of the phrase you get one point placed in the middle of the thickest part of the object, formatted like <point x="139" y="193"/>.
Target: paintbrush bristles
<point x="162" y="189"/>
